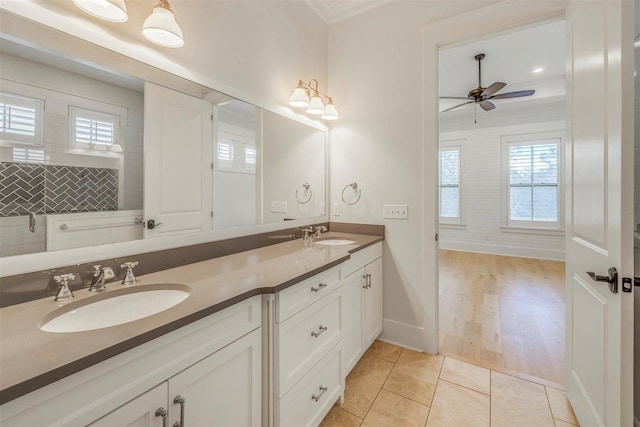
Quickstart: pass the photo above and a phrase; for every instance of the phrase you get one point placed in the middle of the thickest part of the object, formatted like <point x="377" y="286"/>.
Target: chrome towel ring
<point x="307" y="187"/>
<point x="354" y="186"/>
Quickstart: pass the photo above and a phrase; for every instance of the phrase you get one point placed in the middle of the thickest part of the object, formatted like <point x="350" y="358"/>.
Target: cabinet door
<point x="223" y="389"/>
<point x="373" y="302"/>
<point x="140" y="412"/>
<point x="352" y="315"/>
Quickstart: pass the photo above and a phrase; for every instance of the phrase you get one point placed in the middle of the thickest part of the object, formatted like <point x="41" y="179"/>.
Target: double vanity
<point x="263" y="337"/>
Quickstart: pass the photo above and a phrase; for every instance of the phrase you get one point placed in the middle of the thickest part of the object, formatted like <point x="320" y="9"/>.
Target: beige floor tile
<point x="560" y="423"/>
<point x="415" y="376"/>
<point x="466" y="375"/>
<point x="384" y="351"/>
<point x="391" y="410"/>
<point x="363" y="384"/>
<point x="454" y="405"/>
<point x="560" y="406"/>
<point x="516" y="402"/>
<point x="340" y="418"/>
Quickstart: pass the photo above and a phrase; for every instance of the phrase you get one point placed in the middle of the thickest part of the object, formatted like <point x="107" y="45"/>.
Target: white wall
<point x="483" y="182"/>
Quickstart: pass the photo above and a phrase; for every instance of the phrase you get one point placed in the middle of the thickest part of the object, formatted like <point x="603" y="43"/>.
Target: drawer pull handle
<point x="161" y="412"/>
<point x="367" y="281"/>
<point x="320" y="287"/>
<point x="320" y="331"/>
<point x="322" y="391"/>
<point x="179" y="400"/>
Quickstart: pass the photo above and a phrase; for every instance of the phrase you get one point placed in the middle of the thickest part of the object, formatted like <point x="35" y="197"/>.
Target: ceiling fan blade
<point x="487" y="105"/>
<point x="459" y="105"/>
<point x="493" y="89"/>
<point x="518" y="94"/>
<point x="453" y="97"/>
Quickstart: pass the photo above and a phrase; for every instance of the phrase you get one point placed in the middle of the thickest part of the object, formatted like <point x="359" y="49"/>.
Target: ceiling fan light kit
<point x="482" y="96"/>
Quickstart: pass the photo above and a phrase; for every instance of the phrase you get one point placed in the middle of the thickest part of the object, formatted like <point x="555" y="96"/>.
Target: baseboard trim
<point x="402" y="335"/>
<point x="516" y="251"/>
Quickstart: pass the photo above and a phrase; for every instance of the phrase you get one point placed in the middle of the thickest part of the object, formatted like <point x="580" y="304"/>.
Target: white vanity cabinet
<point x="308" y="363"/>
<point x="363" y="302"/>
<point x="215" y="363"/>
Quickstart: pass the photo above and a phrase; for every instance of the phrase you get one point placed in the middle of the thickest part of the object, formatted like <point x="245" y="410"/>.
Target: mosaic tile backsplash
<point x="27" y="187"/>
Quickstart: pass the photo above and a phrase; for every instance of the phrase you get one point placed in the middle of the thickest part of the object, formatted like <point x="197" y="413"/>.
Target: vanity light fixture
<point x="161" y="27"/>
<point x="308" y="95"/>
<point x="109" y="10"/>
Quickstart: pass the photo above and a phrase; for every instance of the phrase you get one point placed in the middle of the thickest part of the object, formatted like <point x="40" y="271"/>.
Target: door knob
<point x="611" y="279"/>
<point x="151" y="224"/>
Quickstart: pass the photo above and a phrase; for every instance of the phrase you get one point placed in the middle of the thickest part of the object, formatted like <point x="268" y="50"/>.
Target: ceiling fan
<point x="482" y="95"/>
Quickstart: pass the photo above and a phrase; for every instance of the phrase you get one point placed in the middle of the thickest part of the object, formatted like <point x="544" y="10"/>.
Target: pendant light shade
<point x="299" y="98"/>
<point x="330" y="111"/>
<point x="161" y="27"/>
<point x="316" y="106"/>
<point x="109" y="10"/>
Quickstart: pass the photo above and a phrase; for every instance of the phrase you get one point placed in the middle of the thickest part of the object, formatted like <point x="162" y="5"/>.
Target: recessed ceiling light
<point x="538" y="70"/>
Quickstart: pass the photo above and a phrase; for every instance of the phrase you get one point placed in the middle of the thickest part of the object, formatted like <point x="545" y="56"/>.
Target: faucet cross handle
<point x="64" y="293"/>
<point x="129" y="278"/>
<point x="96" y="270"/>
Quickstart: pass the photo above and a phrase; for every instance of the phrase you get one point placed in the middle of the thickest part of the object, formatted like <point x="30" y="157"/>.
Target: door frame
<point x="459" y="29"/>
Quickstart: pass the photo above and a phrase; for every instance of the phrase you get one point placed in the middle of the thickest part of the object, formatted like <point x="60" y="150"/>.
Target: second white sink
<point x="115" y="308"/>
<point x="335" y="242"/>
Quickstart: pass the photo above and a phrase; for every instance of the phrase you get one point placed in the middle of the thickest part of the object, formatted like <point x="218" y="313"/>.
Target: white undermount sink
<point x="114" y="308"/>
<point x="335" y="242"/>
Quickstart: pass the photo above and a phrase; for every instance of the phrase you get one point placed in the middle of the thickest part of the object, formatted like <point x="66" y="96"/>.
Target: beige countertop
<point x="31" y="358"/>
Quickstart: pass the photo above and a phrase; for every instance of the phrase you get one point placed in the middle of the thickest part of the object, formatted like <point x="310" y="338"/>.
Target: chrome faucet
<point x="310" y="234"/>
<point x="129" y="278"/>
<point x="64" y="293"/>
<point x="318" y="232"/>
<point x="100" y="277"/>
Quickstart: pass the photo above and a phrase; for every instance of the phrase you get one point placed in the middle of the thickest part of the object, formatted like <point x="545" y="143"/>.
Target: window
<point x="92" y="129"/>
<point x="449" y="179"/>
<point x="21" y="119"/>
<point x="532" y="178"/>
<point x="236" y="153"/>
<point x="28" y="155"/>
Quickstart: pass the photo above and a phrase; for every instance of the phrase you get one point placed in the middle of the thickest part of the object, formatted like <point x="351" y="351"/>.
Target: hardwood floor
<point x="503" y="312"/>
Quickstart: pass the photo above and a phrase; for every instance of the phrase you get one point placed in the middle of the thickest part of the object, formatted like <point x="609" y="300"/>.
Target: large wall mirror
<point x="92" y="155"/>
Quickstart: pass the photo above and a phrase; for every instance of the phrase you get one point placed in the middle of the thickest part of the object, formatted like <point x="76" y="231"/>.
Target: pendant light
<point x="300" y="98"/>
<point x="161" y="27"/>
<point x="109" y="10"/>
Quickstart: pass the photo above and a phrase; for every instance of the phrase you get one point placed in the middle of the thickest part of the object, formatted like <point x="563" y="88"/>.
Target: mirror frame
<point x="22" y="30"/>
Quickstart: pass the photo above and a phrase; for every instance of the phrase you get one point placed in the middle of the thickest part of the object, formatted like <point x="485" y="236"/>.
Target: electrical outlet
<point x="395" y="211"/>
<point x="336" y="209"/>
<point x="279" y="207"/>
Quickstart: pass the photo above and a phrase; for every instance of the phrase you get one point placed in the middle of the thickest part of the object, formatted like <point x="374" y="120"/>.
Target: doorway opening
<point x="501" y="233"/>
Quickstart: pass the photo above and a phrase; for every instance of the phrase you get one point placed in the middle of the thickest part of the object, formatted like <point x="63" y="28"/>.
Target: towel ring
<point x="307" y="187"/>
<point x="354" y="186"/>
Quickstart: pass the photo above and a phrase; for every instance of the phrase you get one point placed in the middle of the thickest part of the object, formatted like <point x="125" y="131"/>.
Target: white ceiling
<point x="335" y="10"/>
<point x="510" y="58"/>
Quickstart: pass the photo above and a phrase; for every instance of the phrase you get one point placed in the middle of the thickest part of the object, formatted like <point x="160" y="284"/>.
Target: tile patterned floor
<point x="395" y="387"/>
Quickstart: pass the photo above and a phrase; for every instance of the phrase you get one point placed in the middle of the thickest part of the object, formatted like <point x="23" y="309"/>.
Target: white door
<point x="145" y="410"/>
<point x="223" y="389"/>
<point x="178" y="153"/>
<point x="599" y="210"/>
<point x="372" y="301"/>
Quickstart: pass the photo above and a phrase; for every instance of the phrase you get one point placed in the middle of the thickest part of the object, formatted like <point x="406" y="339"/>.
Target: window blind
<point x="20" y="119"/>
<point x="449" y="177"/>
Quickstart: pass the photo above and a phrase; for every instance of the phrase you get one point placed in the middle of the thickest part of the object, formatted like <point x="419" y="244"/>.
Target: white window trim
<point x="7" y="140"/>
<point x="459" y="145"/>
<point x="75" y="111"/>
<point x="530" y="227"/>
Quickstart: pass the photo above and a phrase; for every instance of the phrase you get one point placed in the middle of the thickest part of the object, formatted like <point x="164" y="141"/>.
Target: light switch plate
<point x="336" y="209"/>
<point x="395" y="211"/>
<point x="279" y="207"/>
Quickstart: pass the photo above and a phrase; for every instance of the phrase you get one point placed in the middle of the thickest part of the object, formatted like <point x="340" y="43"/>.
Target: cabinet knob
<point x="161" y="412"/>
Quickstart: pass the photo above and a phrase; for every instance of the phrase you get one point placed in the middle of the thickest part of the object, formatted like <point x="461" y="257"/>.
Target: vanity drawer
<point x="305" y="338"/>
<point x="361" y="258"/>
<point x="303" y="294"/>
<point x="308" y="402"/>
